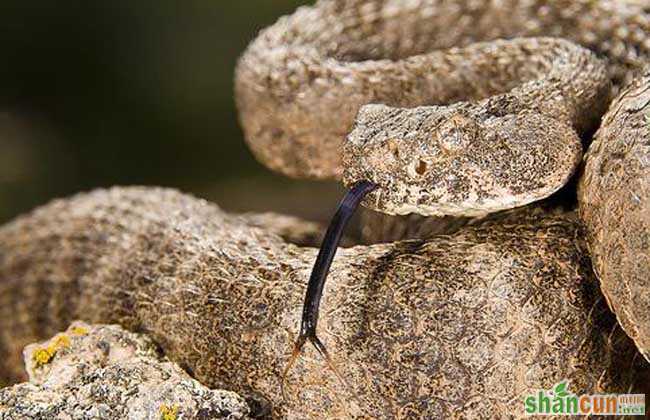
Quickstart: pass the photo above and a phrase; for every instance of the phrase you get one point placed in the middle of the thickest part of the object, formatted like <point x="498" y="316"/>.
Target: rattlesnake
<point x="447" y="119"/>
<point x="457" y="325"/>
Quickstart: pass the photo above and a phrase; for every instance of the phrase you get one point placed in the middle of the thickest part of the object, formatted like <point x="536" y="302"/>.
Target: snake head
<point x="457" y="160"/>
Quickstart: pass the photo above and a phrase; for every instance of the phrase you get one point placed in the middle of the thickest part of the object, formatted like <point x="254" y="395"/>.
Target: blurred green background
<point x="94" y="94"/>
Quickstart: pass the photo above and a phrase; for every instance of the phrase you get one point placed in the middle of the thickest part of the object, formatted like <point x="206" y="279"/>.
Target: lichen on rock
<point x="105" y="372"/>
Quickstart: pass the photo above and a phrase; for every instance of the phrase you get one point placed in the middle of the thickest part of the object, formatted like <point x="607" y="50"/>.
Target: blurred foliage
<point x="126" y="92"/>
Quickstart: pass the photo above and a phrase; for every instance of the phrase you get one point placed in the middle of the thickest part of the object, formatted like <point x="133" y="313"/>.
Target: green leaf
<point x="560" y="389"/>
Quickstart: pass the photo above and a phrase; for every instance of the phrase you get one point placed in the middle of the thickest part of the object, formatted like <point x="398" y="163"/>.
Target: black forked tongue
<point x="328" y="248"/>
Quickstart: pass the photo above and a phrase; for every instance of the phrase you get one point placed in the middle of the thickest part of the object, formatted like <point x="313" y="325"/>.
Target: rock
<point x="105" y="372"/>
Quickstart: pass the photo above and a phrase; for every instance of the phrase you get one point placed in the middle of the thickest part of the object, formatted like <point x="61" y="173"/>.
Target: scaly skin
<point x="614" y="197"/>
<point x="504" y="128"/>
<point x="457" y="325"/>
<point x="301" y="83"/>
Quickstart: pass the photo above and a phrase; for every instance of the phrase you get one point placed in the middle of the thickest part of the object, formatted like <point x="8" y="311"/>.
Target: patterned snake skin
<point x="444" y="125"/>
<point x="450" y="111"/>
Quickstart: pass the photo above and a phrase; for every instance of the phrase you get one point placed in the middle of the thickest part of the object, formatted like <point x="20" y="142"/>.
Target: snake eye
<point x="456" y="133"/>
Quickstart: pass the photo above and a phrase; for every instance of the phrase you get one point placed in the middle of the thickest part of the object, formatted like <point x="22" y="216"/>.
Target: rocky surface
<point x="105" y="372"/>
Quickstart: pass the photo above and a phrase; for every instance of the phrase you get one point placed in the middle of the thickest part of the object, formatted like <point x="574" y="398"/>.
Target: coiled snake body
<point x="460" y="108"/>
<point x="463" y="108"/>
<point x="514" y="136"/>
<point x="451" y="108"/>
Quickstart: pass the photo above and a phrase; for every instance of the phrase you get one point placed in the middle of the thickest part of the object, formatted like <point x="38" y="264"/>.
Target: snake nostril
<point x="421" y="167"/>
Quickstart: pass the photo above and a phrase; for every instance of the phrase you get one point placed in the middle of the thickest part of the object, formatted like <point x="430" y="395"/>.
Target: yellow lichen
<point x="59" y="342"/>
<point x="168" y="412"/>
<point x="42" y="356"/>
<point x="79" y="330"/>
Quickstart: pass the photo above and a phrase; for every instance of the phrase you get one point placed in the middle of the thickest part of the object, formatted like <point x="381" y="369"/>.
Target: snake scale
<point x="457" y="108"/>
<point x="464" y="108"/>
<point x="455" y="125"/>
